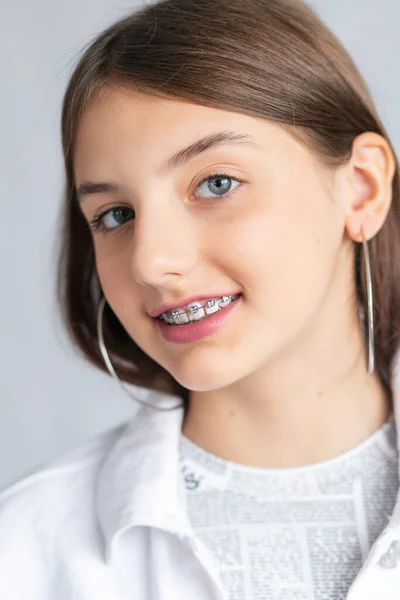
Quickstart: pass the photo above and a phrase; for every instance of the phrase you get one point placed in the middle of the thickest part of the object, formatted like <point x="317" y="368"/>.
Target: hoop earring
<point x="371" y="348"/>
<point x="110" y="368"/>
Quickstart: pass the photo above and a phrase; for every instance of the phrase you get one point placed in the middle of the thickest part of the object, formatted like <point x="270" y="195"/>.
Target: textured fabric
<point x="297" y="533"/>
<point x="106" y="521"/>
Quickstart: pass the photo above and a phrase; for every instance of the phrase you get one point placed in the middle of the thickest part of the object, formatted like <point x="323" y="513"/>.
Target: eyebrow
<point x="213" y="140"/>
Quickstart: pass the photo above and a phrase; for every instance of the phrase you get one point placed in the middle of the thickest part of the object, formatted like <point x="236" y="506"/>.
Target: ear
<point x="370" y="172"/>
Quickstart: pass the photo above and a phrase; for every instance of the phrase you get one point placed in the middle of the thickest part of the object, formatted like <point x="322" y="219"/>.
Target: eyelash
<point x="96" y="223"/>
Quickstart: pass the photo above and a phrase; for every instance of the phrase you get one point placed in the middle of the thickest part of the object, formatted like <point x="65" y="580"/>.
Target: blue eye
<point x="120" y="213"/>
<point x="223" y="185"/>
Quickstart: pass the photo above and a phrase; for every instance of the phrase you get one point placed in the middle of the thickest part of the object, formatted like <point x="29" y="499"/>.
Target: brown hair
<point x="266" y="58"/>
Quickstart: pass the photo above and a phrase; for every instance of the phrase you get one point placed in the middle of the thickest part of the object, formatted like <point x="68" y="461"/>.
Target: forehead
<point x="144" y="130"/>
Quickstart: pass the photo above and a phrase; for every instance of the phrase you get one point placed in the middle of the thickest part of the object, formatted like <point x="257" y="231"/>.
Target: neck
<point x="270" y="420"/>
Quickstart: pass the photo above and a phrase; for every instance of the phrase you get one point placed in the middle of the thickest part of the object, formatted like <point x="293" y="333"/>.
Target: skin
<point x="284" y="383"/>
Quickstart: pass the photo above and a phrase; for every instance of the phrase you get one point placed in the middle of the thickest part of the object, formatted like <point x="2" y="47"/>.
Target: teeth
<point x="225" y="300"/>
<point x="179" y="317"/>
<point x="212" y="306"/>
<point x="195" y="310"/>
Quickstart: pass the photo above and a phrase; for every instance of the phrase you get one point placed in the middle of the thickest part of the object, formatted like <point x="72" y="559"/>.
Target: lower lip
<point x="197" y="330"/>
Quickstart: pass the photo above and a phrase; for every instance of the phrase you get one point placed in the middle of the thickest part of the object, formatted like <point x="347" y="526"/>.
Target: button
<point x="390" y="559"/>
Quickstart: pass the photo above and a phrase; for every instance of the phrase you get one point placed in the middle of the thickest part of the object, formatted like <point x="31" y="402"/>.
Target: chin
<point x="205" y="378"/>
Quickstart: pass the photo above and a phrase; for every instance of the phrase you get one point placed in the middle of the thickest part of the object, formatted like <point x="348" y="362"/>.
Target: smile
<point x="197" y="312"/>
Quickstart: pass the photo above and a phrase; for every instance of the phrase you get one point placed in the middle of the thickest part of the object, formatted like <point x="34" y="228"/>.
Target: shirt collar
<point x="139" y="480"/>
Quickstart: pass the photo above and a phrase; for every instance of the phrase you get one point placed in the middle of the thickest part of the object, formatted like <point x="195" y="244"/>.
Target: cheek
<point x="285" y="252"/>
<point x="113" y="268"/>
<point x="105" y="265"/>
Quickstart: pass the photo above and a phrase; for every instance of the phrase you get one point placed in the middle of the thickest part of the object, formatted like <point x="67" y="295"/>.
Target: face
<point x="270" y="228"/>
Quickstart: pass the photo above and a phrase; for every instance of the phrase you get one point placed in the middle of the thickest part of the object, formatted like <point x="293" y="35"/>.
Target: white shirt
<point x="106" y="522"/>
<point x="299" y="533"/>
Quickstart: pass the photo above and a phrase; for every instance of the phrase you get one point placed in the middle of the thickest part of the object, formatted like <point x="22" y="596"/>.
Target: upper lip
<point x="162" y="308"/>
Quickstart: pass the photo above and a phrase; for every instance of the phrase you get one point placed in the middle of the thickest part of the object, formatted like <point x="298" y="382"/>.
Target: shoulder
<point x="49" y="508"/>
<point x="71" y="470"/>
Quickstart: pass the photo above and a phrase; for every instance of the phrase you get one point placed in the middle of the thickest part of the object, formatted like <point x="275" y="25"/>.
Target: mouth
<point x="201" y="326"/>
<point x="197" y="313"/>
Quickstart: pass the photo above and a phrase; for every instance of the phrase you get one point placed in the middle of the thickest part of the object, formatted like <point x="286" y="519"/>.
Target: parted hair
<point x="274" y="59"/>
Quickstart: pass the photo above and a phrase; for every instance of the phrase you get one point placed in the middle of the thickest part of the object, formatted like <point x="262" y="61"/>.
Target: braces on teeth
<point x="194" y="309"/>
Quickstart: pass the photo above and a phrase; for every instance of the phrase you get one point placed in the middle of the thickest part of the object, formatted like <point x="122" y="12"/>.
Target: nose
<point x="164" y="244"/>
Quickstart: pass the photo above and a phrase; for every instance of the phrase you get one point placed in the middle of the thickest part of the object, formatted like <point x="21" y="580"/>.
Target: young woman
<point x="231" y="248"/>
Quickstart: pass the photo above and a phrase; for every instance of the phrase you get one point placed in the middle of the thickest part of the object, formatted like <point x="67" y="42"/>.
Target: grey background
<point x="50" y="399"/>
